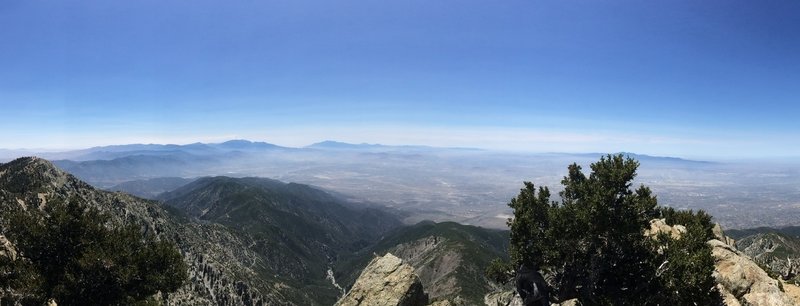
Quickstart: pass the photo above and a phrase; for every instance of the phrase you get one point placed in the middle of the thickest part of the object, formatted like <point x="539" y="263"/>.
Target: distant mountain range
<point x="643" y="158"/>
<point x="198" y="148"/>
<point x="110" y="165"/>
<point x="336" y="145"/>
<point x="117" y="151"/>
<point x="465" y="185"/>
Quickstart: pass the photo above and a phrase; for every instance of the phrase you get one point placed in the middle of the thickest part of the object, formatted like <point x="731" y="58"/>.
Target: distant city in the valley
<point x="470" y="186"/>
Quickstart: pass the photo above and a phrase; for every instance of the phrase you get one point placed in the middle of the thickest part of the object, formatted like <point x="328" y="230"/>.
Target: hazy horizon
<point x="11" y="153"/>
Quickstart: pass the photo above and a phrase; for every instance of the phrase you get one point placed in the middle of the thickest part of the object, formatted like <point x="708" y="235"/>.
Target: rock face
<point x="658" y="226"/>
<point x="742" y="281"/>
<point x="433" y="263"/>
<point x="503" y="298"/>
<point x="448" y="257"/>
<point x="386" y="281"/>
<point x="511" y="298"/>
<point x="772" y="250"/>
<point x="721" y="236"/>
<point x="7" y="249"/>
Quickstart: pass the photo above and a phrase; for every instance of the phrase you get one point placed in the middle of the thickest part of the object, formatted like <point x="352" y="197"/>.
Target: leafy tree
<point x="592" y="245"/>
<point x="69" y="253"/>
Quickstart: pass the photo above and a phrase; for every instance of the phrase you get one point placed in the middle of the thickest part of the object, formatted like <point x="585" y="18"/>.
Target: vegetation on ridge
<point x="592" y="246"/>
<point x="67" y="253"/>
<point x="448" y="257"/>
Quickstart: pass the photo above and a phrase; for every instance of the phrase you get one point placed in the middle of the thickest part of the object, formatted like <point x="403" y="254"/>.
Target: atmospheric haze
<point x="470" y="186"/>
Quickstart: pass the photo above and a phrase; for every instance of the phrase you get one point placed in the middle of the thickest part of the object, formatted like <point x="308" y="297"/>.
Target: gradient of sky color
<point x="680" y="78"/>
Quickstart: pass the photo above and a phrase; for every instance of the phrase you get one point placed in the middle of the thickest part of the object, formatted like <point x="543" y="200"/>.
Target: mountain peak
<point x="31" y="160"/>
<point x="31" y="164"/>
<point x="237" y="142"/>
<point x="30" y="173"/>
<point x="245" y="144"/>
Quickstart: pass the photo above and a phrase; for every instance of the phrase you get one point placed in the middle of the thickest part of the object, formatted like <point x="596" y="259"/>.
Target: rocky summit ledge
<point x="741" y="281"/>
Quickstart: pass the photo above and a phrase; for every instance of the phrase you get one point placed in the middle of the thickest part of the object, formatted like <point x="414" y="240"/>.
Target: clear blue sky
<point x="682" y="78"/>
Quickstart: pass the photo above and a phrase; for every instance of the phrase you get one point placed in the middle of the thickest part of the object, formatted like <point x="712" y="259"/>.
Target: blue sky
<point x="681" y="78"/>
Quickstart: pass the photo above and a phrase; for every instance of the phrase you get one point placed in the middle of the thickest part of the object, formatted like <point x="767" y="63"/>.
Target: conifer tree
<point x="70" y="254"/>
<point x="592" y="245"/>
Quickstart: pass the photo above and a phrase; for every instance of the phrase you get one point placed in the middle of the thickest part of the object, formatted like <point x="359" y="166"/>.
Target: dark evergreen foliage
<point x="69" y="253"/>
<point x="592" y="245"/>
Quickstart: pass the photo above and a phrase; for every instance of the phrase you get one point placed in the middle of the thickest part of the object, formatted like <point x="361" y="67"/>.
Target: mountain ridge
<point x="450" y="258"/>
<point x="225" y="265"/>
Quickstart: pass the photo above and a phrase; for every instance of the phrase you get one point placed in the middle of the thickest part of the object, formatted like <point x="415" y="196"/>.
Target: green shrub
<point x="68" y="253"/>
<point x="593" y="247"/>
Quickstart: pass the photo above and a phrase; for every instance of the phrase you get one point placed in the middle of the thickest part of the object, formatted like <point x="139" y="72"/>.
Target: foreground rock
<point x="742" y="281"/>
<point x="658" y="226"/>
<point x="449" y="258"/>
<point x="386" y="281"/>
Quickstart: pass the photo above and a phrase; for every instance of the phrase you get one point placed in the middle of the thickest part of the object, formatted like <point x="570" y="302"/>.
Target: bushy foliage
<point x="685" y="262"/>
<point x="592" y="244"/>
<point x="499" y="271"/>
<point x="699" y="219"/>
<point x="68" y="253"/>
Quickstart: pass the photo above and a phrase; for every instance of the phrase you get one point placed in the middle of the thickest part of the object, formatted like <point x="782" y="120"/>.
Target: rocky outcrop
<point x="774" y="251"/>
<point x="447" y="303"/>
<point x="658" y="226"/>
<point x="449" y="258"/>
<point x="742" y="281"/>
<point x="511" y="298"/>
<point x="720" y="235"/>
<point x="503" y="298"/>
<point x="435" y="262"/>
<point x="386" y="281"/>
<point x="7" y="250"/>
